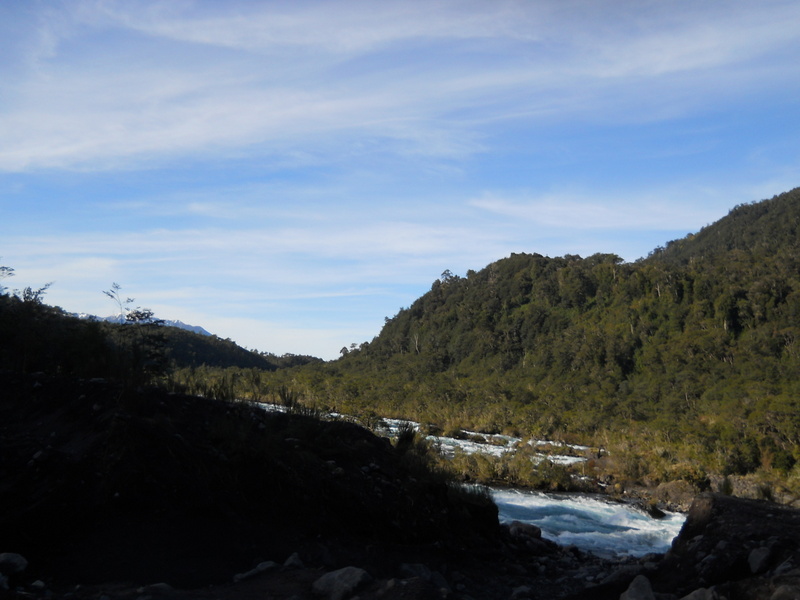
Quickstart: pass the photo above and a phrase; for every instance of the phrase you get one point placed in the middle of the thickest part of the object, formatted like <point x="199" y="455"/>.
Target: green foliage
<point x="688" y="357"/>
<point x="682" y="365"/>
<point x="519" y="469"/>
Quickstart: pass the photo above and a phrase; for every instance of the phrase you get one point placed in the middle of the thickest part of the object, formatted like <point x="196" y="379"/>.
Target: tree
<point x="5" y="272"/>
<point x="31" y="296"/>
<point x="141" y="342"/>
<point x="27" y="295"/>
<point x="122" y="305"/>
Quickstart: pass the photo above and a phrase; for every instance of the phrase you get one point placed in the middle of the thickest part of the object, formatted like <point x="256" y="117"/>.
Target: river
<point x="592" y="523"/>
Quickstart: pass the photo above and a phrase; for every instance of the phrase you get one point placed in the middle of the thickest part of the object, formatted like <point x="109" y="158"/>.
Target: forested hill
<point x="698" y="346"/>
<point x="38" y="337"/>
<point x="760" y="229"/>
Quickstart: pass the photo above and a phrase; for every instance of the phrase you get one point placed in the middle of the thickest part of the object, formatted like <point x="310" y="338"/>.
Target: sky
<point x="289" y="174"/>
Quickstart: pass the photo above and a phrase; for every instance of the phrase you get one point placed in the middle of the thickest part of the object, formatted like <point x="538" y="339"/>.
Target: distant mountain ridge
<point x="167" y="322"/>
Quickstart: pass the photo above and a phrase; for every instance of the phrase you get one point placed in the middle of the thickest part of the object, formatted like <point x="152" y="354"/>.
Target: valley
<point x="136" y="454"/>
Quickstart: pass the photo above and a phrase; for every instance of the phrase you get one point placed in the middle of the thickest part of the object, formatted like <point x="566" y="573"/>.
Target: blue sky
<point x="287" y="174"/>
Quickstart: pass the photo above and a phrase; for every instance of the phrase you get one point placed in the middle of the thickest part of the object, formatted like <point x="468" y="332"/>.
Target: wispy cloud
<point x="277" y="78"/>
<point x="258" y="157"/>
<point x="644" y="210"/>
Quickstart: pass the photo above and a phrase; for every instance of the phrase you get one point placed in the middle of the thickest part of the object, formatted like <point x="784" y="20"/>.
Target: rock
<point x="341" y="584"/>
<point x="440" y="582"/>
<point x="786" y="592"/>
<point x="639" y="589"/>
<point x="257" y="570"/>
<point x="622" y="574"/>
<point x="11" y="562"/>
<point x="700" y="594"/>
<point x="518" y="529"/>
<point x="157" y="589"/>
<point x="294" y="562"/>
<point x="785" y="567"/>
<point x="735" y="547"/>
<point x="758" y="559"/>
<point x="426" y="574"/>
<point x="536" y="546"/>
<point x="415" y="570"/>
<point x="678" y="494"/>
<point x="522" y="592"/>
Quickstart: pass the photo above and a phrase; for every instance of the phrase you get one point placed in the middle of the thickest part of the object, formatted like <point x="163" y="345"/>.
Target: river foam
<point x="592" y="523"/>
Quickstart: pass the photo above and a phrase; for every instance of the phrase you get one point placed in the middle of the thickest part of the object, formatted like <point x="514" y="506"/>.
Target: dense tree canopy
<point x="697" y="345"/>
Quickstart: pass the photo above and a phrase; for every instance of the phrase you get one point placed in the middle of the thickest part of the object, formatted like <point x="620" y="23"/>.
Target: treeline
<point x="37" y="337"/>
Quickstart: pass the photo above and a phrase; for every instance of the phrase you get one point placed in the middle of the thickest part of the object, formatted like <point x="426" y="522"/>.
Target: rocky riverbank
<point x="110" y="493"/>
<point x="729" y="548"/>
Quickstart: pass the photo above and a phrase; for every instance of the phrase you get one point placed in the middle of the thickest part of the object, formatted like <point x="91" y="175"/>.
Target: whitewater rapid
<point x="591" y="523"/>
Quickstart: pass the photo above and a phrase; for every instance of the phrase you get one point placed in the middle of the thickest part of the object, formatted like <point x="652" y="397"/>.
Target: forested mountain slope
<point x="689" y="356"/>
<point x="38" y="337"/>
<point x="760" y="229"/>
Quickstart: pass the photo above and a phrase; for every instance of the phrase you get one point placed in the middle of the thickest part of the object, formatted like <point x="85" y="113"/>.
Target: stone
<point x="341" y="584"/>
<point x="294" y="562"/>
<point x="262" y="567"/>
<point x="415" y="570"/>
<point x="156" y="589"/>
<point x="518" y="529"/>
<point x="639" y="589"/>
<point x="785" y="567"/>
<point x="38" y="585"/>
<point x="786" y="592"/>
<point x="11" y="562"/>
<point x="622" y="574"/>
<point x="700" y="594"/>
<point x="758" y="559"/>
<point x="426" y="574"/>
<point x="440" y="582"/>
<point x="522" y="592"/>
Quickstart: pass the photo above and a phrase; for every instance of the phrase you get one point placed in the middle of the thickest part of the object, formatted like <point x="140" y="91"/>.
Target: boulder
<point x="262" y="567"/>
<point x="744" y="548"/>
<point x="700" y="594"/>
<point x="758" y="559"/>
<point x="12" y="563"/>
<point x="522" y="592"/>
<point x="639" y="589"/>
<point x="294" y="562"/>
<point x="156" y="589"/>
<point x="786" y="592"/>
<point x="341" y="584"/>
<point x="415" y="570"/>
<point x="517" y="529"/>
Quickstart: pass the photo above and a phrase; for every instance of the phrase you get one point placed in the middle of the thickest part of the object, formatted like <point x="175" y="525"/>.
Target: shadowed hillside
<point x="100" y="483"/>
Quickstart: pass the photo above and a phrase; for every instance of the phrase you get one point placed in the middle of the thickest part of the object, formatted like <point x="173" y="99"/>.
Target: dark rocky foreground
<point x="111" y="493"/>
<point x="729" y="548"/>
